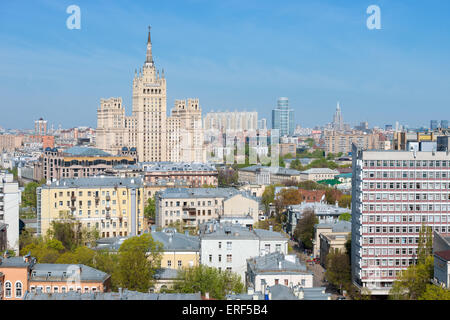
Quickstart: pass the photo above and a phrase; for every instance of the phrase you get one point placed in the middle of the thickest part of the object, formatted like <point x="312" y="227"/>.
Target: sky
<point x="232" y="55"/>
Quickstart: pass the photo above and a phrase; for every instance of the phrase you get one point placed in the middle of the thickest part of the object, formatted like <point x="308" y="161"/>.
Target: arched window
<point x="18" y="289"/>
<point x="7" y="289"/>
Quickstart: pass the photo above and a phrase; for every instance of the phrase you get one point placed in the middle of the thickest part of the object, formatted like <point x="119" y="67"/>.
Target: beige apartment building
<point x="10" y="142"/>
<point x="194" y="206"/>
<point x="155" y="136"/>
<point x="336" y="142"/>
<point x="113" y="206"/>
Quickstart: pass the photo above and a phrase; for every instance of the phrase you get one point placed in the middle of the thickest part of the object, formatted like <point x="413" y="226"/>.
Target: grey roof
<point x="168" y="237"/>
<point x="272" y="170"/>
<point x="61" y="272"/>
<point x="125" y="295"/>
<point x="175" y="193"/>
<point x="228" y="230"/>
<point x="86" y="151"/>
<point x="319" y="208"/>
<point x="270" y="264"/>
<point x="176" y="166"/>
<point x="95" y="182"/>
<point x="321" y="171"/>
<point x="338" y="226"/>
<point x="13" y="262"/>
<point x="166" y="274"/>
<point x="281" y="292"/>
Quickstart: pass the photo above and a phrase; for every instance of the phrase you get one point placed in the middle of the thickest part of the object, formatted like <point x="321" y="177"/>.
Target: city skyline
<point x="76" y="68"/>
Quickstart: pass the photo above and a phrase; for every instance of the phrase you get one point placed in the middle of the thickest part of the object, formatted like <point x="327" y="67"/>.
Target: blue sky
<point x="232" y="55"/>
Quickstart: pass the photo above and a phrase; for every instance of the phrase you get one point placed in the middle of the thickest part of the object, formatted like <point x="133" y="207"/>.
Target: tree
<point x="265" y="224"/>
<point x="304" y="231"/>
<point x="287" y="197"/>
<point x="135" y="269"/>
<point x="338" y="269"/>
<point x="345" y="217"/>
<point x="208" y="279"/>
<point x="434" y="292"/>
<point x="268" y="197"/>
<point x="412" y="282"/>
<point x="227" y="177"/>
<point x="29" y="195"/>
<point x="150" y="208"/>
<point x="345" y="201"/>
<point x="425" y="246"/>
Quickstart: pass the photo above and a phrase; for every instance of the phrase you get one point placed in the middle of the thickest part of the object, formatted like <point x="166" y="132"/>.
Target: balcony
<point x="108" y="198"/>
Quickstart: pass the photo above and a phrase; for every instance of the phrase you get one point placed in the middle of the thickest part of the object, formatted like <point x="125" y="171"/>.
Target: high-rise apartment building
<point x="283" y="117"/>
<point x="155" y="136"/>
<point x="9" y="209"/>
<point x="338" y="121"/>
<point x="336" y="141"/>
<point x="394" y="193"/>
<point x="40" y="127"/>
<point x="434" y="124"/>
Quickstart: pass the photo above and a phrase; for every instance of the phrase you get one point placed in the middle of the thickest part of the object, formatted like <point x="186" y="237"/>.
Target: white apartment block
<point x="394" y="193"/>
<point x="9" y="209"/>
<point x="228" y="246"/>
<point x="235" y="121"/>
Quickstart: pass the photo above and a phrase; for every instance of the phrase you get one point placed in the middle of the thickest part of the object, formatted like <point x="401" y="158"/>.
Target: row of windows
<point x="388" y="251"/>
<point x="199" y="203"/>
<point x="18" y="289"/>
<point x="219" y="258"/>
<point x="89" y="193"/>
<point x="407" y="163"/>
<point x="403" y="218"/>
<point x="406" y="207"/>
<point x="56" y="289"/>
<point x="405" y="196"/>
<point x="415" y="229"/>
<point x="422" y="174"/>
<point x="387" y="262"/>
<point x="406" y="185"/>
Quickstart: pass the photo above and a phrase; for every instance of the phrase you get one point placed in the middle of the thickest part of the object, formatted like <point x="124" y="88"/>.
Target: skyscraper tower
<point x="149" y="110"/>
<point x="283" y="117"/>
<point x="338" y="121"/>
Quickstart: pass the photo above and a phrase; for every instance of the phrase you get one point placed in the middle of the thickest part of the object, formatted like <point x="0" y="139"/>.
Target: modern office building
<point x="40" y="127"/>
<point x="434" y="124"/>
<point x="444" y="124"/>
<point x="9" y="209"/>
<point x="283" y="117"/>
<point x="394" y="193"/>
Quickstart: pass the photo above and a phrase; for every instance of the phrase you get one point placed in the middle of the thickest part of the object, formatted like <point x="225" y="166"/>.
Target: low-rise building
<point x="113" y="206"/>
<point x="326" y="213"/>
<point x="317" y="174"/>
<point x="441" y="252"/>
<point x="263" y="175"/>
<point x="277" y="268"/>
<point x="334" y="236"/>
<point x="198" y="205"/>
<point x="23" y="274"/>
<point x="227" y="246"/>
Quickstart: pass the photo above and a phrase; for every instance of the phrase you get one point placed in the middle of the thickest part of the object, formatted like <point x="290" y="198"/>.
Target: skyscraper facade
<point x="338" y="121"/>
<point x="155" y="136"/>
<point x="434" y="124"/>
<point x="283" y="117"/>
<point x="394" y="194"/>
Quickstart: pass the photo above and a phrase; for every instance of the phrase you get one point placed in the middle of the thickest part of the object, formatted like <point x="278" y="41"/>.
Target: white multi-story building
<point x="228" y="246"/>
<point x="9" y="209"/>
<point x="395" y="193"/>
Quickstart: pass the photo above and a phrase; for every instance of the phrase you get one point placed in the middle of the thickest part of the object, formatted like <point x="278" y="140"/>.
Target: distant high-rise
<point x="262" y="124"/>
<point x="444" y="124"/>
<point x="283" y="117"/>
<point x="40" y="127"/>
<point x="338" y="121"/>
<point x="434" y="124"/>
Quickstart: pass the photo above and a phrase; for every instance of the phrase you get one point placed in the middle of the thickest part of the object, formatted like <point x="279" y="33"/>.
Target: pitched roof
<point x="95" y="182"/>
<point x="443" y="254"/>
<point x="86" y="151"/>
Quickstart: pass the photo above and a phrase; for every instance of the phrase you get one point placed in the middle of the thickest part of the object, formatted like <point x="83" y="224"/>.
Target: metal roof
<point x="95" y="182"/>
<point x="86" y="151"/>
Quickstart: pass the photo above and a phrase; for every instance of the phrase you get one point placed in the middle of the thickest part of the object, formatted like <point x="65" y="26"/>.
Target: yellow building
<point x="114" y="206"/>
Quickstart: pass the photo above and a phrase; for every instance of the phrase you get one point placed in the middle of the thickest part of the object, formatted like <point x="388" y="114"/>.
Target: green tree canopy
<point x="150" y="208"/>
<point x="338" y="269"/>
<point x="346" y="216"/>
<point x="29" y="195"/>
<point x="345" y="201"/>
<point x="304" y="231"/>
<point x="208" y="279"/>
<point x="138" y="259"/>
<point x="434" y="292"/>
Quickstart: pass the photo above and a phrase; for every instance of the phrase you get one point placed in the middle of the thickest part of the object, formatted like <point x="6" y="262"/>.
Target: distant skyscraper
<point x="283" y="117"/>
<point x="338" y="121"/>
<point x="388" y="127"/>
<point x="444" y="124"/>
<point x="40" y="127"/>
<point x="262" y="124"/>
<point x="434" y="124"/>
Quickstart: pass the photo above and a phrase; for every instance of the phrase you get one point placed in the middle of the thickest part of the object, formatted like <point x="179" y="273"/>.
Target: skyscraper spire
<point x="149" y="59"/>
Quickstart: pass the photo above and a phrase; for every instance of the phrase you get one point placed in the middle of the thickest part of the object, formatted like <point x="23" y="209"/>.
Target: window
<point x="56" y="289"/>
<point x="220" y="245"/>
<point x="179" y="263"/>
<point x="7" y="289"/>
<point x="229" y="245"/>
<point x="229" y="258"/>
<point x="169" y="263"/>
<point x="276" y="281"/>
